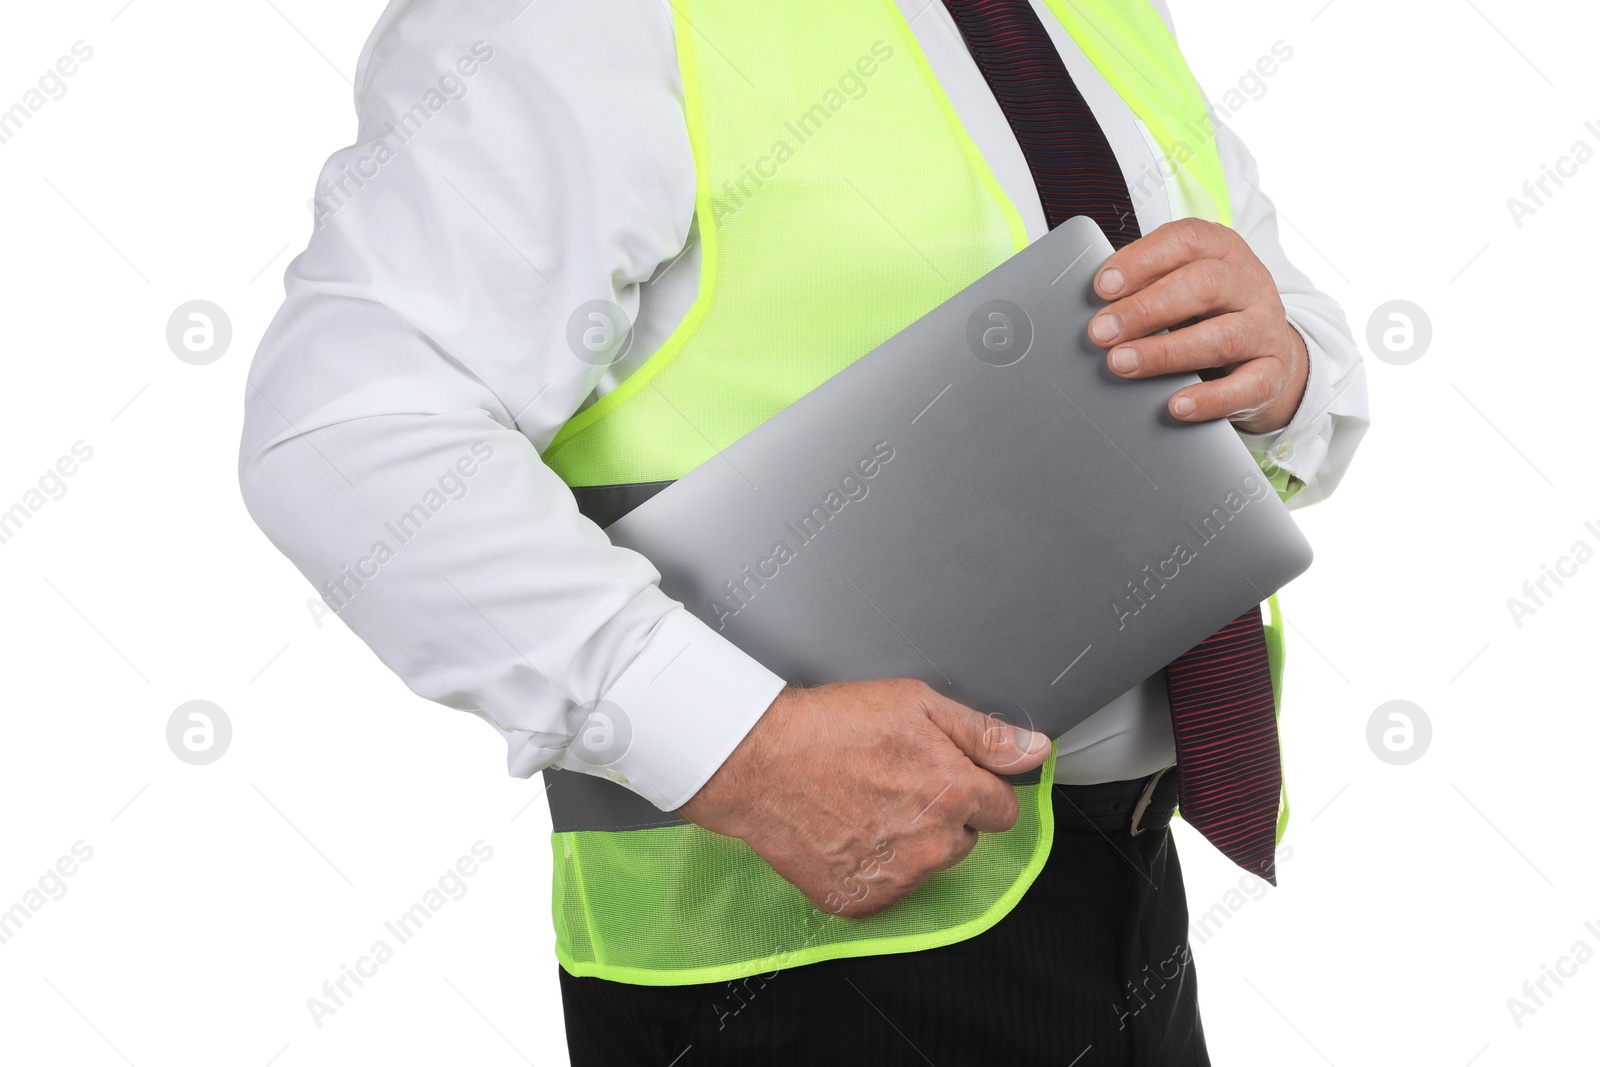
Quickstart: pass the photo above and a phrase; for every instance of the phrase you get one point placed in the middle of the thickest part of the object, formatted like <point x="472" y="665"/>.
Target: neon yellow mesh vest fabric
<point x="838" y="200"/>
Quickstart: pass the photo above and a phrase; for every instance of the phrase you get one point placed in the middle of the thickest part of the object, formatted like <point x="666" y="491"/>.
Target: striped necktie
<point x="1224" y="717"/>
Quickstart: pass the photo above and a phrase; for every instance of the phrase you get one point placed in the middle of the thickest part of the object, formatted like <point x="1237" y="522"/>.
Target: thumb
<point x="987" y="741"/>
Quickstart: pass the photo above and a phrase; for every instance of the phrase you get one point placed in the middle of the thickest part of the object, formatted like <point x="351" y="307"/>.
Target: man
<point x="579" y="248"/>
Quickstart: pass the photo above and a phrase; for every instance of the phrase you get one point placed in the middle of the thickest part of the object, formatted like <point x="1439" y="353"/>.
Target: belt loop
<point x="1134" y="830"/>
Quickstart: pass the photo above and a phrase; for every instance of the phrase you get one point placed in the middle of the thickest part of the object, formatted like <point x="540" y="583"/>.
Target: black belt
<point x="1129" y="807"/>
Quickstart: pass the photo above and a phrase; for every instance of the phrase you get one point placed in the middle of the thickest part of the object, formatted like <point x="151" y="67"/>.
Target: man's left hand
<point x="1203" y="283"/>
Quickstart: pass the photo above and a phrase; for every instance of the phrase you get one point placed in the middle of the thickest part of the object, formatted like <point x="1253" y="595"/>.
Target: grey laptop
<point x="978" y="503"/>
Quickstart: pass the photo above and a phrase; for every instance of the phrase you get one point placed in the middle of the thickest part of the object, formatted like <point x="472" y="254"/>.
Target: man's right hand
<point x="857" y="792"/>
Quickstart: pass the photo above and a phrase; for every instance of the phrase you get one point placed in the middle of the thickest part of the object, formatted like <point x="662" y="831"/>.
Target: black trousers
<point x="1091" y="969"/>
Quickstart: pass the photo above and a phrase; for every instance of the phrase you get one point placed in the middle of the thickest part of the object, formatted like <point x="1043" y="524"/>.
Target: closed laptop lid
<point x="981" y="504"/>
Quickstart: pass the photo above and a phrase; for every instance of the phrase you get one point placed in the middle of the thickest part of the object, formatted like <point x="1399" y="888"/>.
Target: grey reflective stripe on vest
<point x="605" y="504"/>
<point x="584" y="801"/>
<point x="588" y="802"/>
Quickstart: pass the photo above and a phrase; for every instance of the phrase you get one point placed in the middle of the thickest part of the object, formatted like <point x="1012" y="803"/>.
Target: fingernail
<point x="1105" y="327"/>
<point x="1124" y="360"/>
<point x="1035" y="741"/>
<point x="1112" y="281"/>
<point x="1183" y="407"/>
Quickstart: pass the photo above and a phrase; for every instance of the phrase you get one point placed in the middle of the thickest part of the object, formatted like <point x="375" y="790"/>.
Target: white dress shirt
<point x="398" y="402"/>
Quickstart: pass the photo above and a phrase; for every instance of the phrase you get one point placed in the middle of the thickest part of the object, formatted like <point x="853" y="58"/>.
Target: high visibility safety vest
<point x="838" y="199"/>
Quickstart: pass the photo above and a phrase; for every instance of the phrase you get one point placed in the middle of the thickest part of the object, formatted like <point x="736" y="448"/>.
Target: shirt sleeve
<point x="1316" y="447"/>
<point x="511" y="167"/>
<point x="1308" y="457"/>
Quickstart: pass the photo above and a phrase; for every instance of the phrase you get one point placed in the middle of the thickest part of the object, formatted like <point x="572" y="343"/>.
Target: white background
<point x="1416" y="900"/>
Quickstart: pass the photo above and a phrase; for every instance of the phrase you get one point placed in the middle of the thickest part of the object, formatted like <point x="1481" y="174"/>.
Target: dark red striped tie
<point x="1223" y="714"/>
